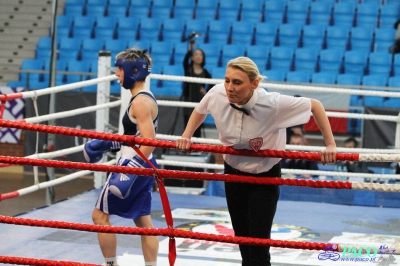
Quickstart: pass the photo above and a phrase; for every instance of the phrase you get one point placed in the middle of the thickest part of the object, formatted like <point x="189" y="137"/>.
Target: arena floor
<point x="297" y="221"/>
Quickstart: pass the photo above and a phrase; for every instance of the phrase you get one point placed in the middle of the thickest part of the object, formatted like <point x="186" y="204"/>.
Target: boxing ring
<point x="195" y="229"/>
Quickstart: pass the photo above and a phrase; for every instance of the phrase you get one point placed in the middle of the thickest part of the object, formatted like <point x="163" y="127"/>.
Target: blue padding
<point x="215" y="188"/>
<point x="365" y="198"/>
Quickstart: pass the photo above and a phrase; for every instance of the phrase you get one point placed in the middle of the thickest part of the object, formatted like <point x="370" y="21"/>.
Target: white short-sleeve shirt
<point x="264" y="128"/>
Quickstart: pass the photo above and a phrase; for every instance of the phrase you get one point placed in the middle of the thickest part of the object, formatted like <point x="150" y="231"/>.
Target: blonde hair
<point x="135" y="52"/>
<point x="248" y="66"/>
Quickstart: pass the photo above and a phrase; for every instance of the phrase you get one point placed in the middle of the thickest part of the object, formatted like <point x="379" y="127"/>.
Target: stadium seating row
<point x="370" y="13"/>
<point x="286" y="58"/>
<point x="226" y="32"/>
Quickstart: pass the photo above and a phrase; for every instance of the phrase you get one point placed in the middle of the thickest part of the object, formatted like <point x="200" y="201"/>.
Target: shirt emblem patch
<point x="256" y="143"/>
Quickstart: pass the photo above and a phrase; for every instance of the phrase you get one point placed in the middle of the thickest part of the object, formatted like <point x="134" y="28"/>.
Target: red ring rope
<point x="133" y="140"/>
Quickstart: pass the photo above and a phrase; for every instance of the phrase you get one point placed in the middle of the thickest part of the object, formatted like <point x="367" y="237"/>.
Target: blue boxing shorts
<point x="137" y="202"/>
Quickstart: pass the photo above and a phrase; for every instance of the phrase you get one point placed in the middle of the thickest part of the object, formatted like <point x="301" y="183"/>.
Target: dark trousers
<point x="252" y="209"/>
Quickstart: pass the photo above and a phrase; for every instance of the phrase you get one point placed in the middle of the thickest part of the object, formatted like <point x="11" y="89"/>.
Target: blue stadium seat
<point x="129" y="23"/>
<point x="183" y="13"/>
<point x="337" y="37"/>
<point x="305" y="59"/>
<point x="185" y="3"/>
<point x="173" y="30"/>
<point x="362" y="38"/>
<point x="384" y="38"/>
<point x="150" y="29"/>
<point x="118" y="3"/>
<point x="232" y="51"/>
<point x="228" y="14"/>
<point x="103" y="34"/>
<point x="378" y="2"/>
<point x="275" y="75"/>
<point x="378" y="81"/>
<point x="258" y="52"/>
<point x="348" y="79"/>
<point x="119" y="12"/>
<point x="323" y="78"/>
<point x="162" y="3"/>
<point x="139" y="12"/>
<point x="82" y="33"/>
<point x="351" y="79"/>
<point x="73" y="2"/>
<point x="266" y="34"/>
<point x="172" y="88"/>
<point x="274" y="11"/>
<point x="254" y="16"/>
<point x="321" y="13"/>
<point x="313" y="36"/>
<point x="298" y="76"/>
<point x="160" y="48"/>
<point x="289" y="35"/>
<point x="355" y="62"/>
<point x="70" y="44"/>
<point x="251" y="10"/>
<point x="95" y="10"/>
<point x="281" y="58"/>
<point x="87" y="22"/>
<point x="64" y="33"/>
<point x="207" y="4"/>
<point x="211" y="49"/>
<point x="218" y="72"/>
<point x="344" y="14"/>
<point x="92" y="45"/>
<point x="106" y="22"/>
<point x="394" y="82"/>
<point x="297" y="12"/>
<point x="73" y="9"/>
<point x="380" y="63"/>
<point x="64" y="21"/>
<point x="44" y="43"/>
<point x="389" y="13"/>
<point x="115" y="45"/>
<point x="392" y="102"/>
<point x="161" y="12"/>
<point x="255" y="5"/>
<point x="367" y="15"/>
<point x="206" y="14"/>
<point x="43" y="53"/>
<point x="243" y="32"/>
<point x="218" y="31"/>
<point x="96" y="2"/>
<point x="32" y="64"/>
<point x="206" y="9"/>
<point x="229" y="4"/>
<point x="331" y="60"/>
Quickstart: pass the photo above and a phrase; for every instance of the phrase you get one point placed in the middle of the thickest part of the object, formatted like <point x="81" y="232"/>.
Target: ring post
<point x="102" y="115"/>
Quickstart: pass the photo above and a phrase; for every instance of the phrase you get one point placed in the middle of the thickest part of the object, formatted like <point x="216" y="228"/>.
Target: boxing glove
<point x="94" y="149"/>
<point x="120" y="184"/>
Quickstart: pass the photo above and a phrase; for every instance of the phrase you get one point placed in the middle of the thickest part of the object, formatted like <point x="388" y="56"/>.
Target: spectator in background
<point x="298" y="129"/>
<point x="353" y="167"/>
<point x="298" y="139"/>
<point x="395" y="48"/>
<point x="193" y="65"/>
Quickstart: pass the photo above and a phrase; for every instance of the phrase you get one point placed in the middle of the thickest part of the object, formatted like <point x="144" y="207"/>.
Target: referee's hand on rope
<point x="183" y="144"/>
<point x="328" y="155"/>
